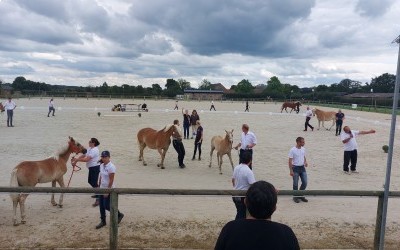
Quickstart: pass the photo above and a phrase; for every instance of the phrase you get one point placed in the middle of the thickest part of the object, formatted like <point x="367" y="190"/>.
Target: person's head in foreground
<point x="261" y="199"/>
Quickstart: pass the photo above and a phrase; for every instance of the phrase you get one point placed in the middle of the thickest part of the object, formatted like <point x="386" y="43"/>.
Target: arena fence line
<point x="114" y="192"/>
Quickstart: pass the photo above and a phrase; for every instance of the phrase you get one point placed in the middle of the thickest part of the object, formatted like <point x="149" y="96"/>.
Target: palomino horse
<point x="30" y="173"/>
<point x="223" y="145"/>
<point x="323" y="116"/>
<point x="292" y="105"/>
<point x="154" y="139"/>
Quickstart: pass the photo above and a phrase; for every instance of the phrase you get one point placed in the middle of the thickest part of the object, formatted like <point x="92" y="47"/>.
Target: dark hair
<point x="176" y="122"/>
<point x="245" y="126"/>
<point x="299" y="139"/>
<point x="261" y="199"/>
<point x="246" y="157"/>
<point x="95" y="141"/>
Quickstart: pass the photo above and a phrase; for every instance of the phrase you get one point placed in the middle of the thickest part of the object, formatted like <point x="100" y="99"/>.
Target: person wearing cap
<point x="10" y="106"/>
<point x="178" y="145"/>
<point x="258" y="231"/>
<point x="91" y="158"/>
<point x="198" y="141"/>
<point x="106" y="180"/>
<point x="339" y="121"/>
<point x="247" y="142"/>
<point x="51" y="107"/>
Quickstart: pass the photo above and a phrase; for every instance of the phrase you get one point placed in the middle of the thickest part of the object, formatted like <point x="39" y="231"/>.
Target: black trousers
<point x="212" y="107"/>
<point x="180" y="149"/>
<point x="339" y="124"/>
<point x="10" y="114"/>
<point x="241" y="155"/>
<point x="350" y="157"/>
<point x="240" y="208"/>
<point x="197" y="145"/>
<point x="93" y="176"/>
<point x="307" y="123"/>
<point x="51" y="109"/>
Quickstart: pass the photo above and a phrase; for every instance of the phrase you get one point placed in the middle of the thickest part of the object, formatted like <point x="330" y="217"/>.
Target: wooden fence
<point x="114" y="192"/>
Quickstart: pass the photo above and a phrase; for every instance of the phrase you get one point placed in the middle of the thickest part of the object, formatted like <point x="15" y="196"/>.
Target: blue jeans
<point x="299" y="171"/>
<point x="186" y="131"/>
<point x="105" y="205"/>
<point x="240" y="208"/>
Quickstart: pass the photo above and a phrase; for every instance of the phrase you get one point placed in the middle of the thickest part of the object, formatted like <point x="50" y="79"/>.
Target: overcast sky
<point x="303" y="42"/>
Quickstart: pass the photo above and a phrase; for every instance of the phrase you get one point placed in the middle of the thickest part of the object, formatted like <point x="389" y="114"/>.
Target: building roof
<point x="370" y="95"/>
<point x="203" y="91"/>
<point x="218" y="86"/>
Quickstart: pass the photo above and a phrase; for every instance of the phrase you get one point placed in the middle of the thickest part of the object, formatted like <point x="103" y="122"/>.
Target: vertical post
<point x="390" y="153"/>
<point x="113" y="221"/>
<point x="378" y="224"/>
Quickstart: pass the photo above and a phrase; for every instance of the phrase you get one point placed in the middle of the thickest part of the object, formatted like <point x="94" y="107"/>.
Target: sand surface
<point x="194" y="222"/>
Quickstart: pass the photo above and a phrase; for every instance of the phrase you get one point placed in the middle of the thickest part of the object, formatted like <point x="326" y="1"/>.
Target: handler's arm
<point x="290" y="163"/>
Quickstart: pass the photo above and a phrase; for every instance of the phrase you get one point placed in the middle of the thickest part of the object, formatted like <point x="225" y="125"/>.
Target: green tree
<point x="172" y="88"/>
<point x="383" y="84"/>
<point x="183" y="84"/>
<point x="156" y="89"/>
<point x="244" y="87"/>
<point x="205" y="85"/>
<point x="274" y="85"/>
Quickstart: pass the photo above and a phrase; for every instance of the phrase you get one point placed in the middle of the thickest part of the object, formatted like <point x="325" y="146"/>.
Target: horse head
<point x="313" y="111"/>
<point x="76" y="147"/>
<point x="229" y="136"/>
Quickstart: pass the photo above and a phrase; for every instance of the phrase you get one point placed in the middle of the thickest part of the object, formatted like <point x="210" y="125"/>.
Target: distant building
<point x="199" y="94"/>
<point x="6" y="90"/>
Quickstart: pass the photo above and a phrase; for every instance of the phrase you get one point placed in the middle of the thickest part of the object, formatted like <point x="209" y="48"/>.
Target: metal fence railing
<point x="114" y="192"/>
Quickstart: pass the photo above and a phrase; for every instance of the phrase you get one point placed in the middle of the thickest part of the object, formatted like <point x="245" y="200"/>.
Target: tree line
<point x="273" y="88"/>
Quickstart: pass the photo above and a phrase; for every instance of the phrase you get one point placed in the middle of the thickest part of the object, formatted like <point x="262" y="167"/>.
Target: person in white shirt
<point x="242" y="178"/>
<point x="106" y="180"/>
<point x="51" y="107"/>
<point x="297" y="167"/>
<point x="212" y="106"/>
<point x="10" y="106"/>
<point x="309" y="114"/>
<point x="247" y="142"/>
<point x="91" y="158"/>
<point x="350" y="148"/>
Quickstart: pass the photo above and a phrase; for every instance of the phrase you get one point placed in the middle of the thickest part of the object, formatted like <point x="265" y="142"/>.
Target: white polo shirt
<point x="352" y="143"/>
<point x="95" y="156"/>
<point x="309" y="113"/>
<point x="247" y="139"/>
<point x="243" y="176"/>
<point x="105" y="171"/>
<point x="9" y="105"/>
<point x="297" y="155"/>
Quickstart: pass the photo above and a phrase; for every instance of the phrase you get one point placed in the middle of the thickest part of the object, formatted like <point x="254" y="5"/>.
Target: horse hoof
<point x="220" y="172"/>
<point x="144" y="164"/>
<point x="60" y="206"/>
<point x="54" y="204"/>
<point x="162" y="167"/>
<point x="16" y="224"/>
<point x="23" y="221"/>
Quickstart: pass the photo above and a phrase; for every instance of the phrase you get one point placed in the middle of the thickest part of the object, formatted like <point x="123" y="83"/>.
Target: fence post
<point x="378" y="224"/>
<point x="114" y="220"/>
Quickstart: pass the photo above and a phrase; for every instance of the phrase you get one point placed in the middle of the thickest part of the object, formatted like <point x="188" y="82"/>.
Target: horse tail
<point x="14" y="183"/>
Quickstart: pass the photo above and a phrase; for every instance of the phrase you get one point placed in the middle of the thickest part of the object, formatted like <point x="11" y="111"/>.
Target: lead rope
<point x="75" y="168"/>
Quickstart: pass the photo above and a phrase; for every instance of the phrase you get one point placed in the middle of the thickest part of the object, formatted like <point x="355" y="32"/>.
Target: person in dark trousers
<point x="247" y="142"/>
<point x="212" y="106"/>
<point x="106" y="180"/>
<point x="186" y="124"/>
<point x="247" y="106"/>
<point x="198" y="140"/>
<point x="339" y="122"/>
<point x="9" y="106"/>
<point x="51" y="107"/>
<point x="258" y="231"/>
<point x="309" y="114"/>
<point x="176" y="105"/>
<point x="350" y="148"/>
<point x="178" y="145"/>
<point x="242" y="178"/>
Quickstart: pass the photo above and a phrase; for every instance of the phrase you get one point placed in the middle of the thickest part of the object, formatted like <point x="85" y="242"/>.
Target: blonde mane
<point x="167" y="127"/>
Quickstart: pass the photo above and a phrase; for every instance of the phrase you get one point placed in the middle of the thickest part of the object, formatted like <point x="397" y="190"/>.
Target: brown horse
<point x="154" y="139"/>
<point x="293" y="105"/>
<point x="323" y="116"/>
<point x="30" y="173"/>
<point x="2" y="107"/>
<point x="223" y="145"/>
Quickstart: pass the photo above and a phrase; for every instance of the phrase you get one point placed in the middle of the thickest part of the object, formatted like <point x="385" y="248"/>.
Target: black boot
<point x="120" y="216"/>
<point x="101" y="224"/>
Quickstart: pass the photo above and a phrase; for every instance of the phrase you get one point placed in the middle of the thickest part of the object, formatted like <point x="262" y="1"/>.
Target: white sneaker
<point x="346" y="172"/>
<point x="355" y="172"/>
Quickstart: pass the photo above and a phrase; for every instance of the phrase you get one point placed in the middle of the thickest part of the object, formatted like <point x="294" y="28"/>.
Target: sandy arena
<point x="194" y="222"/>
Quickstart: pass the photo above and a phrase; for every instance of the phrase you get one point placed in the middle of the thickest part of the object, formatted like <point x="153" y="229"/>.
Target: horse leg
<point x="141" y="155"/>
<point x="15" y="200"/>
<point x="211" y="153"/>
<point x="333" y="123"/>
<point x="53" y="202"/>
<point x="219" y="156"/>
<point x="230" y="158"/>
<point x="61" y="183"/>
<point x="22" y="207"/>
<point x="319" y="124"/>
<point x="162" y="154"/>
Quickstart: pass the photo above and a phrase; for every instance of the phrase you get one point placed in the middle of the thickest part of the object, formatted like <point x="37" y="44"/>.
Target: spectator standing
<point x="309" y="114"/>
<point x="198" y="140"/>
<point x="350" y="148"/>
<point x="242" y="178"/>
<point x="178" y="145"/>
<point x="176" y="105"/>
<point x="193" y="119"/>
<point x="186" y="124"/>
<point x="9" y="106"/>
<point x="106" y="180"/>
<point x="212" y="106"/>
<point x="297" y="167"/>
<point x="247" y="142"/>
<point x="51" y="107"/>
<point x="257" y="231"/>
<point x="339" y="122"/>
<point x="247" y="106"/>
<point x="91" y="158"/>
